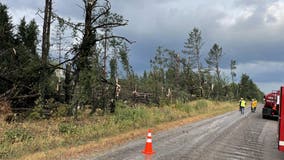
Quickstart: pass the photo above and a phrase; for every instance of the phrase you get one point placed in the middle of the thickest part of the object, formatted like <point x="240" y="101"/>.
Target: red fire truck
<point x="281" y="121"/>
<point x="271" y="105"/>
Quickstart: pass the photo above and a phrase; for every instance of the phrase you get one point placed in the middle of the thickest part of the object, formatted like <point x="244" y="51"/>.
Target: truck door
<point x="281" y="121"/>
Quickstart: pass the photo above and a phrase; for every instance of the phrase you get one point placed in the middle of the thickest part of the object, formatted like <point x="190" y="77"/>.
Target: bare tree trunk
<point x="45" y="47"/>
<point x="67" y="84"/>
<point x="46" y="31"/>
<point x="199" y="71"/>
<point x="85" y="48"/>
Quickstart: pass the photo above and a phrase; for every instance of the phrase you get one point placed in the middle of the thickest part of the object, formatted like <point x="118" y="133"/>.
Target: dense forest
<point x="94" y="70"/>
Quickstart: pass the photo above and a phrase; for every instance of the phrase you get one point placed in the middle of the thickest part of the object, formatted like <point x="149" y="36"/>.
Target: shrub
<point x="201" y="104"/>
<point x="4" y="151"/>
<point x="17" y="135"/>
<point x="67" y="128"/>
<point x="35" y="115"/>
<point x="184" y="107"/>
<point x="61" y="110"/>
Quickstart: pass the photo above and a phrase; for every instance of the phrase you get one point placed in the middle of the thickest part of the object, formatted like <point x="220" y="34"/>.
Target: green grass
<point x="20" y="139"/>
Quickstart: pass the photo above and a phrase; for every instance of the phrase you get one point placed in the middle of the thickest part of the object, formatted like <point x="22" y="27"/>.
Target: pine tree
<point x="192" y="49"/>
<point x="6" y="29"/>
<point x="6" y="51"/>
<point x="27" y="35"/>
<point x="248" y="89"/>
<point x="213" y="61"/>
<point x="233" y="68"/>
<point x="19" y="66"/>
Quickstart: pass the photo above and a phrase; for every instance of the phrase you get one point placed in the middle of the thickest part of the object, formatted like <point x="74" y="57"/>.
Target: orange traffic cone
<point x="148" y="147"/>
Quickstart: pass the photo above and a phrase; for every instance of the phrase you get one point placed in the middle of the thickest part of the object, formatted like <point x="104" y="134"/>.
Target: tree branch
<point x="68" y="23"/>
<point x="110" y="25"/>
<point x="25" y="96"/>
<point x="119" y="37"/>
<point x="8" y="92"/>
<point x="107" y="9"/>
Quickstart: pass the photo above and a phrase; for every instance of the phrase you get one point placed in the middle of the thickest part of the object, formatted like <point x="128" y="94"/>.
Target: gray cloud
<point x="253" y="2"/>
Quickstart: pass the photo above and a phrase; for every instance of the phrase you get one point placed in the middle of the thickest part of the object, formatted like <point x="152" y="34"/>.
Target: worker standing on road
<point x="242" y="105"/>
<point x="253" y="105"/>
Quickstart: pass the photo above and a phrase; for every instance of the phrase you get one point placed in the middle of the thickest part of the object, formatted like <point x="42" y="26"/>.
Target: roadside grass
<point x="60" y="138"/>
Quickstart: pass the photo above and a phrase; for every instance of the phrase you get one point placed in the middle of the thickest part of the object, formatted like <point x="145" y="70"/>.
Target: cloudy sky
<point x="250" y="31"/>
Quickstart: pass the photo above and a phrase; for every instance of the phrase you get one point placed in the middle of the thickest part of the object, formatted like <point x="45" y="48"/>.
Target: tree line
<point x="94" y="70"/>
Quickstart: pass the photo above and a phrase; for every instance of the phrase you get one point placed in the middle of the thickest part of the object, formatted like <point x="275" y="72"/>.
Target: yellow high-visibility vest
<point x="254" y="103"/>
<point x="243" y="103"/>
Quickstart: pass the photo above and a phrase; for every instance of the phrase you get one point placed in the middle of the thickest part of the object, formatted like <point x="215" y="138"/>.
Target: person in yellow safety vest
<point x="253" y="105"/>
<point x="242" y="105"/>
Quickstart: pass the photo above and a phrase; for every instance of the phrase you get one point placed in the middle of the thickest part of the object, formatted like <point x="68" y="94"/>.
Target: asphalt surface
<point x="231" y="136"/>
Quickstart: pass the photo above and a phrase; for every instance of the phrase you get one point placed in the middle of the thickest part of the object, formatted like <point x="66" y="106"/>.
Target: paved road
<point x="231" y="136"/>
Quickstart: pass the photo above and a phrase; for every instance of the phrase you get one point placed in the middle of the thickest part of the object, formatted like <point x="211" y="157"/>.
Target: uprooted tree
<point x="19" y="61"/>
